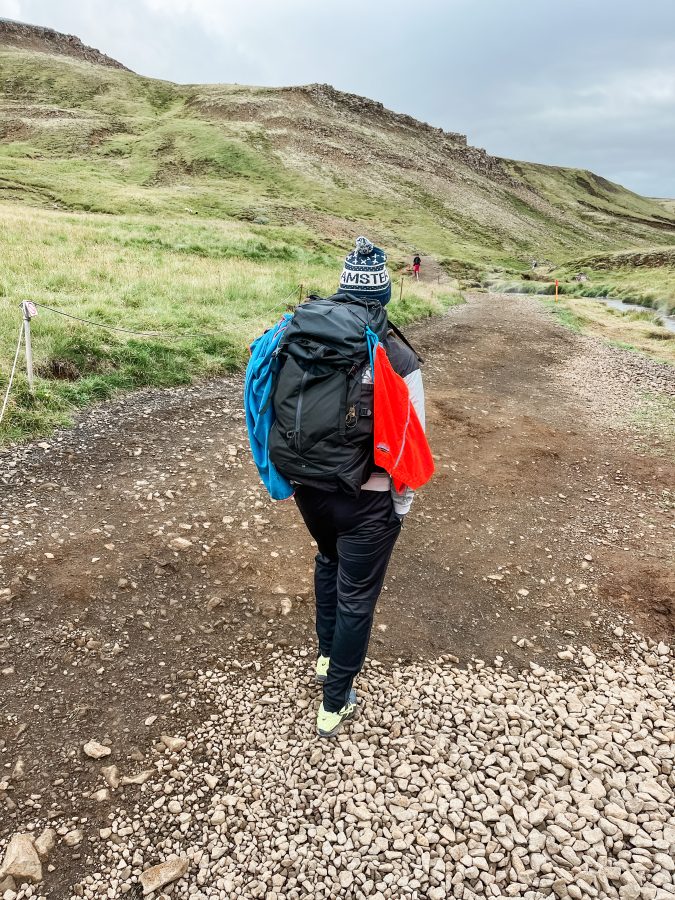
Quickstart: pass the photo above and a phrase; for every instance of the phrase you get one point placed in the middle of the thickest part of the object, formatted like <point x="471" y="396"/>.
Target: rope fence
<point x="11" y="377"/>
<point x="163" y="334"/>
<point x="30" y="309"/>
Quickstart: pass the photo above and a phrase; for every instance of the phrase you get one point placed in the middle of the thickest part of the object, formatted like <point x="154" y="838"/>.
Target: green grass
<point x="565" y="316"/>
<point x="227" y="280"/>
<point x="184" y="209"/>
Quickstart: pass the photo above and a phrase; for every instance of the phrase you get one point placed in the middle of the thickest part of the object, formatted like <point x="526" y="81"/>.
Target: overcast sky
<point x="587" y="83"/>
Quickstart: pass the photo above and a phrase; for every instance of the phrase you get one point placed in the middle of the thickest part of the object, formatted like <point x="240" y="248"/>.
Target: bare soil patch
<point x="543" y="527"/>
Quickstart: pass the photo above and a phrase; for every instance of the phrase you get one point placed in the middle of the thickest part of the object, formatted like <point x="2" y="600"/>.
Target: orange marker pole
<point x="556" y="290"/>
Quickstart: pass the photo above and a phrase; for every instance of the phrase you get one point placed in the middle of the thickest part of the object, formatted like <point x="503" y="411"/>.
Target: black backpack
<point x="323" y="430"/>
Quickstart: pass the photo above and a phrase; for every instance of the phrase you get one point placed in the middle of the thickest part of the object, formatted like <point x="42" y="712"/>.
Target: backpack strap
<point x="399" y="334"/>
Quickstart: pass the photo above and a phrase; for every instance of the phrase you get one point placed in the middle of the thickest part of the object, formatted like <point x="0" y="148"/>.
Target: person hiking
<point x="417" y="262"/>
<point x="321" y="440"/>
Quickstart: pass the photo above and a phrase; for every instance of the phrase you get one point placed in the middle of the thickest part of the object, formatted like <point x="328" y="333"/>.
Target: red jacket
<point x="401" y="447"/>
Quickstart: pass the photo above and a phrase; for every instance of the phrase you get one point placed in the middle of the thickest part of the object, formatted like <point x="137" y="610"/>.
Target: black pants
<point x="356" y="537"/>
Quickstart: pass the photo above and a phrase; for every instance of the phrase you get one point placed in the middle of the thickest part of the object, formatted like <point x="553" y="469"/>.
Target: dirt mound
<point x="46" y="40"/>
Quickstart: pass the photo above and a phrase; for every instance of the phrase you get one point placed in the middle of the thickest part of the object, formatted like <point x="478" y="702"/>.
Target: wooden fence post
<point x="27" y="311"/>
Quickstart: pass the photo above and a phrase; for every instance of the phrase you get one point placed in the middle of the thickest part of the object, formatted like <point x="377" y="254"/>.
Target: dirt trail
<point x="430" y="271"/>
<point x="549" y="523"/>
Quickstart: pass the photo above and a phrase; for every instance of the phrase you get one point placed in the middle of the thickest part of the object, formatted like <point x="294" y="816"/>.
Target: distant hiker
<point x="417" y="262"/>
<point x="335" y="410"/>
<point x="534" y="263"/>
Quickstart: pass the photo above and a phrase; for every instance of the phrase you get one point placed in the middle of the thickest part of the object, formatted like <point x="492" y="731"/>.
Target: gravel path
<point x="452" y="783"/>
<point x="516" y="738"/>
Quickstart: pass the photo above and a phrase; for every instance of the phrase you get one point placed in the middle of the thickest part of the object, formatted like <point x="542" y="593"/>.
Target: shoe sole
<point x="320" y="679"/>
<point x="334" y="731"/>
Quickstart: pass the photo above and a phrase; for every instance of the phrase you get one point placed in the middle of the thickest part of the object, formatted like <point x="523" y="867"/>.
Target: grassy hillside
<point x="90" y="138"/>
<point x="178" y="209"/>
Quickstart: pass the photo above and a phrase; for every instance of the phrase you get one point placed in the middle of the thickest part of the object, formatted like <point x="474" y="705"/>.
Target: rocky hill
<point x="79" y="131"/>
<point x="46" y="40"/>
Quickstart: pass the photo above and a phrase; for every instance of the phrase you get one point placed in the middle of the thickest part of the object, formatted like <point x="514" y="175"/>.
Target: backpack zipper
<point x="298" y="411"/>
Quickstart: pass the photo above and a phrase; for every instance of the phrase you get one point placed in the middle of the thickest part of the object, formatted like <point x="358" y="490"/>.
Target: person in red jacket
<point x="417" y="262"/>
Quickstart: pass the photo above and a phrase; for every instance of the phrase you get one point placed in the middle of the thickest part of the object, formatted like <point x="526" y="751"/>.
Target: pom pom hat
<point x="365" y="273"/>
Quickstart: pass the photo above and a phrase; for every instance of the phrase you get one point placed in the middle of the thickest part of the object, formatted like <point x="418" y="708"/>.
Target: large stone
<point x="74" y="837"/>
<point x="111" y="775"/>
<point x="158" y="876"/>
<point x="173" y="743"/>
<point x="94" y="750"/>
<point x="180" y="543"/>
<point x="45" y="843"/>
<point x="21" y="860"/>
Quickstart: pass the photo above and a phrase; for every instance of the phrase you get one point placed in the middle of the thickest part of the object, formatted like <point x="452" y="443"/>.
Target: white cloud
<point x="208" y="14"/>
<point x="226" y="17"/>
<point x="11" y="9"/>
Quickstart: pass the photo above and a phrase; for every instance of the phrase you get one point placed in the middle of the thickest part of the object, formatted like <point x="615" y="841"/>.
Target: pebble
<point x="451" y="783"/>
<point x="173" y="743"/>
<point x="111" y="775"/>
<point x="160" y="875"/>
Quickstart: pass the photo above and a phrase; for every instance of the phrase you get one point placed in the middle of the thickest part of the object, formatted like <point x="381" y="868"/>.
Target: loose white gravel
<point x="450" y="783"/>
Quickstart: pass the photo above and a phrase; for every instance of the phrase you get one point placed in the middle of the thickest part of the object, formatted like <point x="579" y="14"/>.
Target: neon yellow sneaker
<point x="321" y="668"/>
<point x="329" y="723"/>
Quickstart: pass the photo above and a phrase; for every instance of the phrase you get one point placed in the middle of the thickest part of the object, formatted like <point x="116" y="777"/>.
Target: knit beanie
<point x="365" y="273"/>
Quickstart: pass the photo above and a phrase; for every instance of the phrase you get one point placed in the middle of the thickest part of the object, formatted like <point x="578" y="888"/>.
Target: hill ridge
<point x="80" y="131"/>
<point x="39" y="38"/>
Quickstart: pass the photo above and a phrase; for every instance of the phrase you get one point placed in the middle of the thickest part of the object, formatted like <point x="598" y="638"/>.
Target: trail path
<point x="138" y="553"/>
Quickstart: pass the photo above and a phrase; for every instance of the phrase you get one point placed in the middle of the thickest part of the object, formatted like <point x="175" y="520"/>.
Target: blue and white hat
<point x="365" y="273"/>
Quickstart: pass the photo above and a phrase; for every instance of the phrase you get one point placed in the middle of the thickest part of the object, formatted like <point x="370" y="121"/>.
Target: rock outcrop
<point x="327" y="95"/>
<point x="46" y="40"/>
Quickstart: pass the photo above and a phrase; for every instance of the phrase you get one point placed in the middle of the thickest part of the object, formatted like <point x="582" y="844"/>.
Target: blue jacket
<point x="258" y="386"/>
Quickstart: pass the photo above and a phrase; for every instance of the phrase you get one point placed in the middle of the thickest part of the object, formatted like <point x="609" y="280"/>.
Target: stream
<point x="667" y="321"/>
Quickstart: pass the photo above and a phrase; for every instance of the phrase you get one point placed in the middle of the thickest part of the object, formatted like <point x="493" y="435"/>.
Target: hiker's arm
<point x="403" y="501"/>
